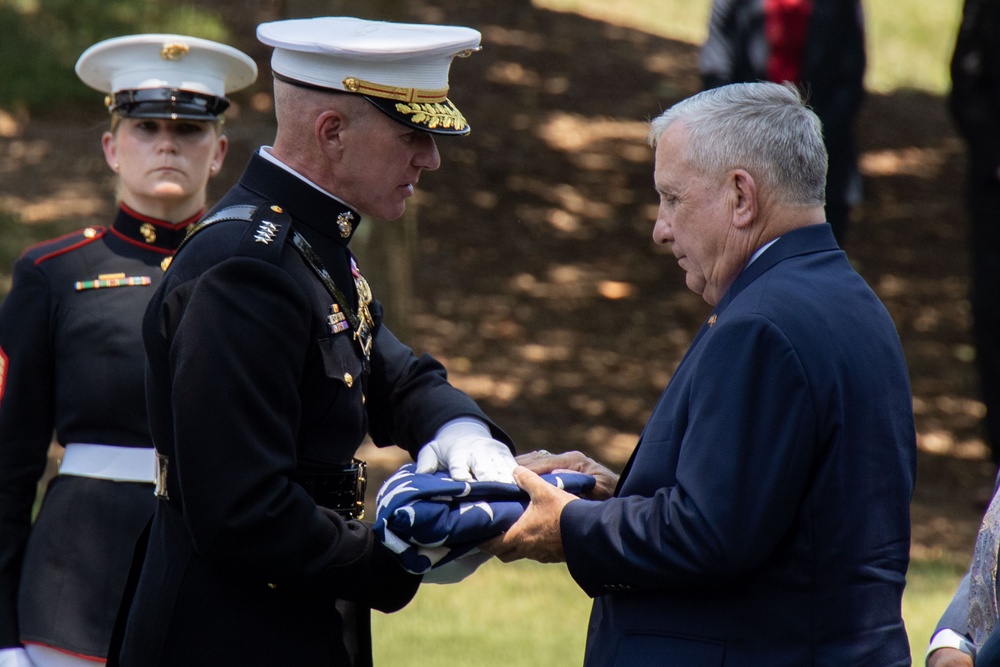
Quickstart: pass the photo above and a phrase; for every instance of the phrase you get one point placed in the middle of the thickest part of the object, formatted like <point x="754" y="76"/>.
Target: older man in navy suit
<point x="764" y="516"/>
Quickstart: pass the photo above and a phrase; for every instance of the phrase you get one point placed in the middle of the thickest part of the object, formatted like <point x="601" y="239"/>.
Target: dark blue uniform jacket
<point x="247" y="382"/>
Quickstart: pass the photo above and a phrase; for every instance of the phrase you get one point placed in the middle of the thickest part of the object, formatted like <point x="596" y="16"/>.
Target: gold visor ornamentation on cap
<point x="174" y="51"/>
<point x="434" y="115"/>
<point x="362" y="87"/>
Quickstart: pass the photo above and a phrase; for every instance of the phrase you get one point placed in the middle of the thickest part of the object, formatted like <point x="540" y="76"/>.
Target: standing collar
<point x="150" y="233"/>
<point x="306" y="202"/>
<point x="266" y="153"/>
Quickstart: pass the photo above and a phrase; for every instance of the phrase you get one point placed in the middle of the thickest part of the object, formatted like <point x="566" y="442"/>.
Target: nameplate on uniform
<point x="112" y="280"/>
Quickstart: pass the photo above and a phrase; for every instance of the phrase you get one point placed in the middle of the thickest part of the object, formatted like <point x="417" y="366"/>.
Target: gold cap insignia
<point x="174" y="51"/>
<point x="434" y="115"/>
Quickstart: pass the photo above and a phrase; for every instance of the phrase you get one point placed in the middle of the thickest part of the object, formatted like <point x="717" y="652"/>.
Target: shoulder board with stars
<point x="265" y="236"/>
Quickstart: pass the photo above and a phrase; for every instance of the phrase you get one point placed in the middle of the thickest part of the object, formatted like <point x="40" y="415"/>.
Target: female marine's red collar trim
<point x="161" y="223"/>
<point x="150" y="233"/>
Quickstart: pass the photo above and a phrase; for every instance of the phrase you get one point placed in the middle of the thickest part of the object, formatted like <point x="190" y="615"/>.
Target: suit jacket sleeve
<point x="747" y="431"/>
<point x="956" y="615"/>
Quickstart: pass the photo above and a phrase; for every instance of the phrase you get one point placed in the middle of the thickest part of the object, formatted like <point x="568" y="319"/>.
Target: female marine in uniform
<point x="71" y="354"/>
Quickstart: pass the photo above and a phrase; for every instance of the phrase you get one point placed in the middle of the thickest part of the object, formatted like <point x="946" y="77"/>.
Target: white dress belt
<point x="118" y="464"/>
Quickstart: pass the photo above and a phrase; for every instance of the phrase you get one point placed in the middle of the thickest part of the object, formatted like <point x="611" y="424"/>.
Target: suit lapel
<point x="805" y="240"/>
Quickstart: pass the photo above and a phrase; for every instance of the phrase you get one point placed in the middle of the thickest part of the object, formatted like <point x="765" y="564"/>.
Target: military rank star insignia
<point x="266" y="232"/>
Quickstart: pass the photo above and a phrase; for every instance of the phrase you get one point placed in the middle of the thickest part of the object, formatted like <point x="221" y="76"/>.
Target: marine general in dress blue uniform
<point x="268" y="363"/>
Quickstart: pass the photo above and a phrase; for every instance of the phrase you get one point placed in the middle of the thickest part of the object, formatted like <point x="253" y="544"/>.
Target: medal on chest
<point x="341" y="316"/>
<point x="363" y="332"/>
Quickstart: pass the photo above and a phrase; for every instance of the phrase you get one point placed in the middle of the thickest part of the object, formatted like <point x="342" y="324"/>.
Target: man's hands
<point x="536" y="534"/>
<point x="466" y="449"/>
<point x="542" y="462"/>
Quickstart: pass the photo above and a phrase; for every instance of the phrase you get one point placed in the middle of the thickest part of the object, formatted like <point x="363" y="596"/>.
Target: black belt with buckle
<point x="340" y="488"/>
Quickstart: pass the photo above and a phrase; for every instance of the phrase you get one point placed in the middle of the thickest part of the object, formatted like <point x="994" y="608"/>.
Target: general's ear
<point x="329" y="129"/>
<point x="744" y="192"/>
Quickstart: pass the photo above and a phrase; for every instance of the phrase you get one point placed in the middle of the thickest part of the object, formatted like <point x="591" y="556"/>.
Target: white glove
<point x="465" y="448"/>
<point x="15" y="657"/>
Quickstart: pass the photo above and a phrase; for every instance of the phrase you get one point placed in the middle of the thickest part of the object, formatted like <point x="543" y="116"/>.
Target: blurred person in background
<point x="819" y="45"/>
<point x="963" y="633"/>
<point x="71" y="355"/>
<point x="974" y="102"/>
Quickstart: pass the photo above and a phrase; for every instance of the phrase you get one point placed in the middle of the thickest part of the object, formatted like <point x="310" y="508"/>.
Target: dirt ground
<point x="534" y="277"/>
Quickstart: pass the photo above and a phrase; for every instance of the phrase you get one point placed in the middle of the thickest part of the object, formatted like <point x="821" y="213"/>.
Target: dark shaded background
<point x="534" y="277"/>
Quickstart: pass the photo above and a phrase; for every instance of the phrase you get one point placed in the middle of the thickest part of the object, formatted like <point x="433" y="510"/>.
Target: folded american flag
<point x="431" y="520"/>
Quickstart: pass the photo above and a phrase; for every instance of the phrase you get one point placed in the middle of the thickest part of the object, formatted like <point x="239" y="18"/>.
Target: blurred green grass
<point x="511" y="615"/>
<point x="530" y="615"/>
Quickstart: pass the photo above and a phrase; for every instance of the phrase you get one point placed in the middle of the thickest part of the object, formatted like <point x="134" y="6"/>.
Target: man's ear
<point x="743" y="189"/>
<point x="329" y="129"/>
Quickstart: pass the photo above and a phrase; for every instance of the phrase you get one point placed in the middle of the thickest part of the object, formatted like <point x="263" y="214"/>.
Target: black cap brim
<point x="434" y="117"/>
<point x="168" y="104"/>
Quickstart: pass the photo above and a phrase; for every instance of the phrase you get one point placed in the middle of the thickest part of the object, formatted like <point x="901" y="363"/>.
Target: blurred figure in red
<point x="818" y="45"/>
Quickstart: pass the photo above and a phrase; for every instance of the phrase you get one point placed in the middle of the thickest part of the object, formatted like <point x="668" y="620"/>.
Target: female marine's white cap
<point x="166" y="76"/>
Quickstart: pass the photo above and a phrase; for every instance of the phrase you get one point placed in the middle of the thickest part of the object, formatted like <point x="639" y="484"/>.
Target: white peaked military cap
<point x="401" y="68"/>
<point x="166" y="76"/>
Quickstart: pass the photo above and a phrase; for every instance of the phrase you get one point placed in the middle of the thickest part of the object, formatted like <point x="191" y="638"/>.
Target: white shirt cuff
<point x="950" y="639"/>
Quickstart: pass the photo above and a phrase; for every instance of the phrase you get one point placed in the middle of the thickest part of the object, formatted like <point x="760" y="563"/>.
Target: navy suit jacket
<point x="764" y="516"/>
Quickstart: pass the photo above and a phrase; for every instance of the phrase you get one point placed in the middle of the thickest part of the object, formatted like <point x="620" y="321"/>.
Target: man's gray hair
<point x="764" y="128"/>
